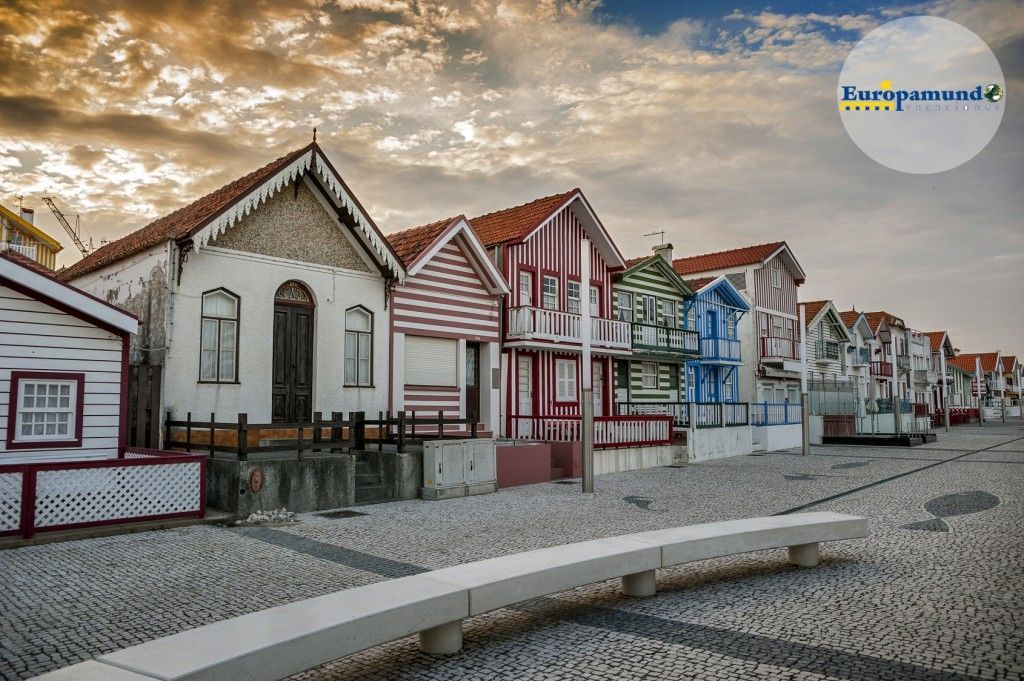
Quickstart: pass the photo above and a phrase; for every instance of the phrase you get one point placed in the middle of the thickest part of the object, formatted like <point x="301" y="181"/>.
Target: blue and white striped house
<point x="715" y="311"/>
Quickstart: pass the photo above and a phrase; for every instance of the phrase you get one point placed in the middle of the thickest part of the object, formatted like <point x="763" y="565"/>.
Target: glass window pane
<point x="350" y="346"/>
<point x="227" y="366"/>
<point x="364" y="345"/>
<point x="208" y="340"/>
<point x="364" y="372"/>
<point x="219" y="304"/>
<point x="208" y="365"/>
<point x="357" y="320"/>
<point x="350" y="370"/>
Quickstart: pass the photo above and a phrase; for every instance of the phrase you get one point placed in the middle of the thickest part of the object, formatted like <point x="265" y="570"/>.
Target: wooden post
<point x="401" y="431"/>
<point x="472" y="429"/>
<point x="440" y="424"/>
<point x="298" y="441"/>
<point x="357" y="431"/>
<point x="188" y="432"/>
<point x="317" y="435"/>
<point x="213" y="432"/>
<point x="242" y="448"/>
<point x="380" y="435"/>
<point x="414" y="424"/>
<point x="336" y="418"/>
<point x="168" y="443"/>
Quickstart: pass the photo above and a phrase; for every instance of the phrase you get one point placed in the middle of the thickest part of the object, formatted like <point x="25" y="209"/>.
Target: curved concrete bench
<point x="287" y="639"/>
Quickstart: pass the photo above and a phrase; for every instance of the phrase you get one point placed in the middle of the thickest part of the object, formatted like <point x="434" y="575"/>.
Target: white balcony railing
<point x="996" y="384"/>
<point x="535" y="323"/>
<point x="774" y="348"/>
<point x="27" y="250"/>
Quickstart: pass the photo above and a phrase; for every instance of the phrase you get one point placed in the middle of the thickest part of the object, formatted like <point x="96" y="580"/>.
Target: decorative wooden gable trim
<point x="725" y="288"/>
<point x="661" y="267"/>
<point x="595" y="230"/>
<point x="460" y="232"/>
<point x="340" y="197"/>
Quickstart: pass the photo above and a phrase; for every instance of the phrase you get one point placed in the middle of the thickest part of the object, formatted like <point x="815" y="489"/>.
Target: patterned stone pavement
<point x="934" y="593"/>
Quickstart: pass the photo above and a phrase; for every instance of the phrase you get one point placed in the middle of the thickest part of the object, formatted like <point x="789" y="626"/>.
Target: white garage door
<point x="431" y="361"/>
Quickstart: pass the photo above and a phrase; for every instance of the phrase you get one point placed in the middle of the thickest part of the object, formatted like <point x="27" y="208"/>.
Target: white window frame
<point x="358" y="357"/>
<point x="219" y="334"/>
<point x="572" y="298"/>
<point x="730" y="325"/>
<point x="670" y="313"/>
<point x="65" y="403"/>
<point x="549" y="299"/>
<point x="649" y="307"/>
<point x="649" y="378"/>
<point x="595" y="301"/>
<point x="565" y="380"/>
<point x="526" y="288"/>
<point x="625" y="311"/>
<point x="776" y="277"/>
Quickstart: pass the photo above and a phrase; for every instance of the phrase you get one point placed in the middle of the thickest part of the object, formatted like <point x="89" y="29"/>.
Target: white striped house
<point x="445" y="328"/>
<point x="63" y="369"/>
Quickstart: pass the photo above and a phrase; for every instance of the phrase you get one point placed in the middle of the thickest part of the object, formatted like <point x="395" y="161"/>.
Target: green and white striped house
<point x="653" y="299"/>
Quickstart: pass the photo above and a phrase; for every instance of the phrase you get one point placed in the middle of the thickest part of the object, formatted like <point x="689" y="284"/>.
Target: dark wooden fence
<point x="355" y="433"/>
<point x="144" y="383"/>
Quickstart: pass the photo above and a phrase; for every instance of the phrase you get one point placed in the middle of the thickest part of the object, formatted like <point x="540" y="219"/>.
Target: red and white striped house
<point x="445" y="331"/>
<point x="537" y="248"/>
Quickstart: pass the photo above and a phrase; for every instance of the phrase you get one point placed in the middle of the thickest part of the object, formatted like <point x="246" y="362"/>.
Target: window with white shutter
<point x="431" y="361"/>
<point x="565" y="380"/>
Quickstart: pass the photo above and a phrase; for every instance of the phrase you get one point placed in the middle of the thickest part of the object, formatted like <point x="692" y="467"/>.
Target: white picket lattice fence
<point x="65" y="497"/>
<point x="149" y="484"/>
<point x="10" y="501"/>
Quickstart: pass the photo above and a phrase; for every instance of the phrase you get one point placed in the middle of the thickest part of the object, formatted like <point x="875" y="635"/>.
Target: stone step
<point x="373" y="494"/>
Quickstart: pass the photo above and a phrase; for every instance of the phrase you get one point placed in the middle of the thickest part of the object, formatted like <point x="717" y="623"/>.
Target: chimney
<point x="665" y="251"/>
<point x="28" y="215"/>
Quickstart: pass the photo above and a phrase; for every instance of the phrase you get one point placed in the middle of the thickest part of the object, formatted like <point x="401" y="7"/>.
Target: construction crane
<point x="72" y="232"/>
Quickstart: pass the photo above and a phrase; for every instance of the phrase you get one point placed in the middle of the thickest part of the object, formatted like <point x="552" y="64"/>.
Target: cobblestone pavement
<point x="934" y="593"/>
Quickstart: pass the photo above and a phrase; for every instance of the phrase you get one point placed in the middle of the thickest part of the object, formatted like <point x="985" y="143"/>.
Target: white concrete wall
<point x="631" y="458"/>
<point x="255" y="279"/>
<point x="816" y="429"/>
<point x="718" y="443"/>
<point x="774" y="438"/>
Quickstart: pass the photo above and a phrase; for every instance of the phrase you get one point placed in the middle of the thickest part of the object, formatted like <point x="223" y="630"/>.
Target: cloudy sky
<point x="716" y="123"/>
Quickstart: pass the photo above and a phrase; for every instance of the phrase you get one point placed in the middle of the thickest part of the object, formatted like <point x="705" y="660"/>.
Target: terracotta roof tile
<point x="1009" y="362"/>
<point x="410" y="243"/>
<point x="935" y="339"/>
<point x="849" y="317"/>
<point x="875" y="319"/>
<point x="180" y="223"/>
<point x="512" y="224"/>
<point x="736" y="257"/>
<point x="966" y="361"/>
<point x="699" y="283"/>
<point x="813" y="307"/>
<point x="28" y="262"/>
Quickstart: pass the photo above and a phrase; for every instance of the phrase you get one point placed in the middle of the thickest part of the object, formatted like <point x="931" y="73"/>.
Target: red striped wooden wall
<point x="447" y="299"/>
<point x="781" y="299"/>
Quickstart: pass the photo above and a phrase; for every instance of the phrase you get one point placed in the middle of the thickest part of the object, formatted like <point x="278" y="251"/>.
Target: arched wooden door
<point x="292" y="390"/>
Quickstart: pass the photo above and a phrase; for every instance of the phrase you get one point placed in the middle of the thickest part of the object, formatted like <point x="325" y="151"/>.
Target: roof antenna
<point x="314" y="134"/>
<point x="660" y="234"/>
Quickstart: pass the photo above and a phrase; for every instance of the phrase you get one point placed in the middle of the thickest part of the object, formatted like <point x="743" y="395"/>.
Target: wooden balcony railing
<point x="727" y="349"/>
<point x="609" y="431"/>
<point x="536" y="323"/>
<point x="773" y="347"/>
<point x="665" y="338"/>
<point x="882" y="369"/>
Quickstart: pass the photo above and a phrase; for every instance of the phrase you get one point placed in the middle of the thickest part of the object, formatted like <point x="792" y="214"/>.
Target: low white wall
<point x="885" y="425"/>
<point x="631" y="458"/>
<point x="718" y="443"/>
<point x="816" y="429"/>
<point x="774" y="438"/>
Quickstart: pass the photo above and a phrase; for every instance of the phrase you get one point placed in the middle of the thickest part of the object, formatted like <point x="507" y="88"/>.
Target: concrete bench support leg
<point x="639" y="584"/>
<point x="442" y="640"/>
<point x="804" y="554"/>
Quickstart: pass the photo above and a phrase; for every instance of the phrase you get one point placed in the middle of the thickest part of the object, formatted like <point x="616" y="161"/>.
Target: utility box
<point x="458" y="468"/>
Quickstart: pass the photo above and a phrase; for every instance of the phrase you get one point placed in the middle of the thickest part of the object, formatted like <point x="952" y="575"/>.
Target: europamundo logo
<point x="885" y="98"/>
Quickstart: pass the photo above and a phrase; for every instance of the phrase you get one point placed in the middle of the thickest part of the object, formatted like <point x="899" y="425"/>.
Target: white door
<point x="598" y="378"/>
<point x="524" y="389"/>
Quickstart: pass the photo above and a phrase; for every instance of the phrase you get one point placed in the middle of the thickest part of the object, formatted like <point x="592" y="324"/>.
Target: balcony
<point x="903" y="362"/>
<point x="919" y="338"/>
<point x="773" y="348"/>
<point x="860" y="356"/>
<point x="539" y="324"/>
<point x="996" y="384"/>
<point x="27" y="250"/>
<point x="881" y="369"/>
<point x="721" y="349"/>
<point x="666" y="339"/>
<point x="926" y="376"/>
<point x="825" y="351"/>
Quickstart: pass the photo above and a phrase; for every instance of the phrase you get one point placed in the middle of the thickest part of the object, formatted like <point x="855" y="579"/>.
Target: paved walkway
<point x="934" y="593"/>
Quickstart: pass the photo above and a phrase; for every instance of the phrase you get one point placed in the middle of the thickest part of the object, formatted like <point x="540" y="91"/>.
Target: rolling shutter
<point x="431" y="361"/>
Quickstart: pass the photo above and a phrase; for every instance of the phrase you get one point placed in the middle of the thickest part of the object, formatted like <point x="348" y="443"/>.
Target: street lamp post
<point x="587" y="397"/>
<point x="805" y="410"/>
